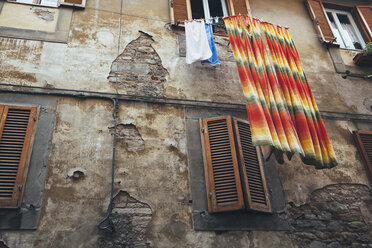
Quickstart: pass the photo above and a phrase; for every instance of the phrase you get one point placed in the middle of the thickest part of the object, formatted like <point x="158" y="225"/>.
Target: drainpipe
<point x="106" y="223"/>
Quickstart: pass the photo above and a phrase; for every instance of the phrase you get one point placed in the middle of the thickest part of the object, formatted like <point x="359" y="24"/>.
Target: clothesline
<point x="218" y="18"/>
<point x="210" y="21"/>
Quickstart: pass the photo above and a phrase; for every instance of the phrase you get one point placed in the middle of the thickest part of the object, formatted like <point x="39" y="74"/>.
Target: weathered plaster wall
<point x="83" y="63"/>
<point x="154" y="174"/>
<point x="151" y="150"/>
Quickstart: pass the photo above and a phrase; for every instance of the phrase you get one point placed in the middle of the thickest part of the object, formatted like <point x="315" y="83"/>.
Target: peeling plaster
<point x="130" y="218"/>
<point x="44" y="14"/>
<point x="131" y="136"/>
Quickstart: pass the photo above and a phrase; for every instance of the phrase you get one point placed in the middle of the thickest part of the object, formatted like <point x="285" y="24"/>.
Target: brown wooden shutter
<point x="364" y="143"/>
<point x="237" y="7"/>
<point x="17" y="129"/>
<point x="76" y="3"/>
<point x="252" y="170"/>
<point x="180" y="10"/>
<point x="221" y="165"/>
<point x="364" y="15"/>
<point x="320" y="20"/>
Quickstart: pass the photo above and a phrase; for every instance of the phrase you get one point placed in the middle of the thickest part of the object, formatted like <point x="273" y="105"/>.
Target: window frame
<point x="232" y="220"/>
<point x="227" y="148"/>
<point x="181" y="10"/>
<point x="323" y="27"/>
<point x="60" y="35"/>
<point x="35" y="3"/>
<point x="340" y="30"/>
<point x="25" y="156"/>
<point x="56" y="5"/>
<point x="26" y="216"/>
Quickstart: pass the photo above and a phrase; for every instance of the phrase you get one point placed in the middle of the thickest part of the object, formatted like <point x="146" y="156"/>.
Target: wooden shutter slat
<point x="252" y="170"/>
<point x="180" y="10"/>
<point x="320" y="20"/>
<point x="221" y="165"/>
<point x="237" y="7"/>
<point x="363" y="140"/>
<point x="17" y="128"/>
<point x="364" y="15"/>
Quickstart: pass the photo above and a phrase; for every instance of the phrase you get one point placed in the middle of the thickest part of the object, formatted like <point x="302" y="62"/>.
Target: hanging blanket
<point x="281" y="108"/>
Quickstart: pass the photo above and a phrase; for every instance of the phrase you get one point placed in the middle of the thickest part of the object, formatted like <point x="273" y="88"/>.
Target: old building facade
<point x="108" y="79"/>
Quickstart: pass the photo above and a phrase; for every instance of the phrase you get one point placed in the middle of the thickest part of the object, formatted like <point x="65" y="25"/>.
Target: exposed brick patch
<point x="333" y="218"/>
<point x="139" y="70"/>
<point x="130" y="135"/>
<point x="130" y="218"/>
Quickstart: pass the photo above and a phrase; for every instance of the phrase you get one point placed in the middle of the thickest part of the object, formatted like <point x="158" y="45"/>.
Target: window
<point x="52" y="3"/>
<point x="37" y="22"/>
<point x="363" y="140"/>
<point x="49" y="3"/>
<point x="237" y="217"/>
<point x="208" y="8"/>
<point x="27" y="118"/>
<point x="345" y="30"/>
<point x="348" y="26"/>
<point x="17" y="130"/>
<point x="234" y="170"/>
<point x="181" y="10"/>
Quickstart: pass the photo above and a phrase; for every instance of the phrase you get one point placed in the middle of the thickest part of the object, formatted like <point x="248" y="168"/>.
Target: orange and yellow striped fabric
<point x="281" y="108"/>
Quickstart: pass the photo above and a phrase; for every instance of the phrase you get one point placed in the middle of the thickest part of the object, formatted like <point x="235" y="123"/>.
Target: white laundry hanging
<point x="197" y="46"/>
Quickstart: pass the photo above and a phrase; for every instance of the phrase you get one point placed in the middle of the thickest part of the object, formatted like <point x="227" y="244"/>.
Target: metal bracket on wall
<point x="350" y="74"/>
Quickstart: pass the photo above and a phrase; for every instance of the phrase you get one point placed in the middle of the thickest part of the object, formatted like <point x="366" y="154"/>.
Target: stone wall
<point x="338" y="215"/>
